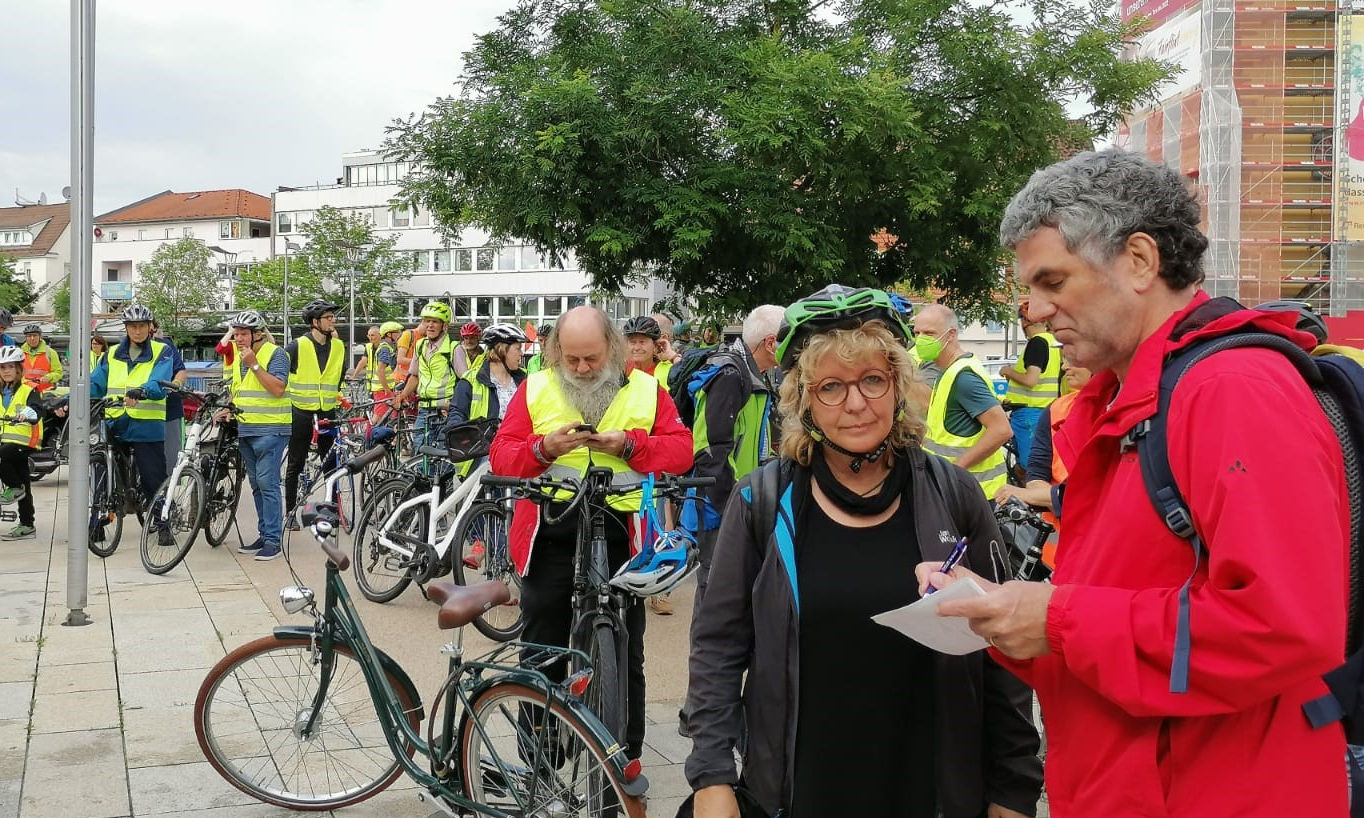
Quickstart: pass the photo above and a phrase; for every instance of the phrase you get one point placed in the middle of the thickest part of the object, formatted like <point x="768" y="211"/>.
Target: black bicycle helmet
<point x="316" y="309"/>
<point x="6" y="320"/>
<point x="834" y="307"/>
<point x="643" y="325"/>
<point x="137" y="313"/>
<point x="1308" y="320"/>
<point x="504" y="334"/>
<point x="248" y="319"/>
<point x="542" y="332"/>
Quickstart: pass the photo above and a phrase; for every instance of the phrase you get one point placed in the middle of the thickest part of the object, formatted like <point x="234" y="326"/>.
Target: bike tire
<point x="381" y="573"/>
<point x="488" y="525"/>
<point x="223" y="496"/>
<point x="573" y="774"/>
<point x="605" y="696"/>
<point x="106" y="508"/>
<point x="248" y="710"/>
<point x="344" y="496"/>
<point x="185" y="518"/>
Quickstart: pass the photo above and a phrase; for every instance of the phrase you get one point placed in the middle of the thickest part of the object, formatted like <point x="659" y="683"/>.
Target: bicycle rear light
<point x="578" y="682"/>
<point x="633" y="768"/>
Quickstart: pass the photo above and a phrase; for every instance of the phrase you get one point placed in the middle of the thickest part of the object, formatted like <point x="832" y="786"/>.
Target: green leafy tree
<point x="181" y="287"/>
<point x="61" y="304"/>
<point x="16" y="293"/>
<point x="745" y="151"/>
<point x="337" y="243"/>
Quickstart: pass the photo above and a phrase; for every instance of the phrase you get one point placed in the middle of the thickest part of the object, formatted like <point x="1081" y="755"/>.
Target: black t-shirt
<point x="865" y="734"/>
<point x="1036" y="353"/>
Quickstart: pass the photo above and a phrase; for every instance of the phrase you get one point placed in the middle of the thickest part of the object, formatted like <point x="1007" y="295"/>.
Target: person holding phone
<point x="583" y="410"/>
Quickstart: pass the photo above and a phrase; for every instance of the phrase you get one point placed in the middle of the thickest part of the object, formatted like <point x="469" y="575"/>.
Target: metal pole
<point x="350" y="350"/>
<point x="82" y="227"/>
<point x="286" y="292"/>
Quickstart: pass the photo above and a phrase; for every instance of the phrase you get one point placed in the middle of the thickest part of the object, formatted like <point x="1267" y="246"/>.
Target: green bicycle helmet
<point x="438" y="310"/>
<point x="835" y="307"/>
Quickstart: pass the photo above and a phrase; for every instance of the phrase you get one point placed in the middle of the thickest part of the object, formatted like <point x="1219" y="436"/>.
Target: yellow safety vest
<point x="310" y="388"/>
<point x="633" y="408"/>
<point x="372" y="365"/>
<point x="1048" y="386"/>
<point x="259" y="407"/>
<point x="661" y="372"/>
<point x="990" y="472"/>
<point x="435" y="373"/>
<point x="121" y="379"/>
<point x="20" y="432"/>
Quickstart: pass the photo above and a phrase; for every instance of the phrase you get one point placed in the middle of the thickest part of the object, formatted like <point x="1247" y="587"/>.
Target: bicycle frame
<point x="462" y="497"/>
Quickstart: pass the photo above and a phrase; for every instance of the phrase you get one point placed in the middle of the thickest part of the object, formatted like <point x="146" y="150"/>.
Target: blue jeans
<point x="429" y="428"/>
<point x="1023" y="420"/>
<point x="261" y="457"/>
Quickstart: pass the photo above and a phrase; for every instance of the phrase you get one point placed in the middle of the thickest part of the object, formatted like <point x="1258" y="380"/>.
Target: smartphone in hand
<point x="585" y="427"/>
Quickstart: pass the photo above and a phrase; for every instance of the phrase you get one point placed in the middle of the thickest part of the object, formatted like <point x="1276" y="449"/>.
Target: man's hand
<point x="612" y="443"/>
<point x="221" y="415"/>
<point x="248" y="357"/>
<point x="716" y="802"/>
<point x="561" y="441"/>
<point x="1007" y="492"/>
<point x="1012" y="616"/>
<point x="665" y="351"/>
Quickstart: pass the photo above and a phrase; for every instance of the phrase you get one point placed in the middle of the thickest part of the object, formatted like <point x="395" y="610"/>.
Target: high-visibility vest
<point x="1048" y="386"/>
<point x="634" y="407"/>
<point x="37" y="366"/>
<point x="372" y="365"/>
<point x="258" y="407"/>
<point x="436" y="372"/>
<point x="121" y="379"/>
<point x="20" y="432"/>
<point x="990" y="472"/>
<point x="661" y="372"/>
<point x="310" y="387"/>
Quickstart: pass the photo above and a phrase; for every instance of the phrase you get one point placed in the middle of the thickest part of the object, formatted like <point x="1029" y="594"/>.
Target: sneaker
<point x="165" y="538"/>
<point x="251" y="548"/>
<point x="11" y="496"/>
<point x="475" y="558"/>
<point x="661" y="604"/>
<point x="20" y="532"/>
<point x="268" y="551"/>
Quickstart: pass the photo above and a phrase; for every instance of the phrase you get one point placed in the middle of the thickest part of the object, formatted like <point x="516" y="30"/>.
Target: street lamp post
<point x="352" y="258"/>
<point x="294" y="246"/>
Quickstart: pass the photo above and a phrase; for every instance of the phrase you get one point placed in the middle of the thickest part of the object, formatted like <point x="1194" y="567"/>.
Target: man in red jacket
<point x="583" y="407"/>
<point x="1109" y="245"/>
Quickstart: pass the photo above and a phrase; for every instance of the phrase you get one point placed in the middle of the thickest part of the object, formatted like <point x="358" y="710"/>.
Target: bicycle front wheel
<point x="482" y="551"/>
<point x="381" y="572"/>
<point x="606" y="694"/>
<point x="525" y="759"/>
<point x="344" y="497"/>
<point x="106" y="505"/>
<point x="251" y="720"/>
<point x="222" y="496"/>
<point x="171" y="526"/>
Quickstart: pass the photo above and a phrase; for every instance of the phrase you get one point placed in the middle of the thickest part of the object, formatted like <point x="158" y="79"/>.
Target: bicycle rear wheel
<point x="106" y="506"/>
<point x="168" y="534"/>
<point x="252" y="708"/>
<point x="525" y="759"/>
<point x="222" y="495"/>
<point x="381" y="572"/>
<point x="482" y="551"/>
<point x="344" y="497"/>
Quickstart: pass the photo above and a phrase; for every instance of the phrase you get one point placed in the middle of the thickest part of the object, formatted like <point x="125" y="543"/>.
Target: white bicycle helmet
<point x="11" y="355"/>
<point x="672" y="558"/>
<point x="248" y="319"/>
<point x="504" y="334"/>
<point x="137" y="313"/>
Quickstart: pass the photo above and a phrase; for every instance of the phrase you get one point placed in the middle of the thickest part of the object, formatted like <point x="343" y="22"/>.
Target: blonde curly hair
<point x="852" y="346"/>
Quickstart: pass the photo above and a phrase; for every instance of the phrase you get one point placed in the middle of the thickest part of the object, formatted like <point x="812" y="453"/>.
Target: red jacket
<point x="665" y="448"/>
<point x="1261" y="469"/>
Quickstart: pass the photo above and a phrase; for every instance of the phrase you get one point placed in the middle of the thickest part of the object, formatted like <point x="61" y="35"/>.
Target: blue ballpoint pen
<point x="958" y="551"/>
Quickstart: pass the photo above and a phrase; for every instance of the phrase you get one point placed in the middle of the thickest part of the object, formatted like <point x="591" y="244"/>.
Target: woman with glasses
<point x="844" y="716"/>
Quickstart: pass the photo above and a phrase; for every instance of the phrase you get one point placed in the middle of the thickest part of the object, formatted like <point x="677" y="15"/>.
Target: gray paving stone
<point x="663" y="738"/>
<point x="182" y="788"/>
<point x="75" y="775"/>
<point x="14" y="700"/>
<point x="66" y="712"/>
<point x="77" y="678"/>
<point x="13" y="744"/>
<point x="161" y="736"/>
<point x="9" y="797"/>
<point x="159" y="689"/>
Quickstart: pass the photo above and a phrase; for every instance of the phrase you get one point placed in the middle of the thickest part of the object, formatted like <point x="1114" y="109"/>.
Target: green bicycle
<point x="315" y="717"/>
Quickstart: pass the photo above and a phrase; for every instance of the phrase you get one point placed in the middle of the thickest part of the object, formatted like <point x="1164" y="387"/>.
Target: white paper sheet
<point x="945" y="634"/>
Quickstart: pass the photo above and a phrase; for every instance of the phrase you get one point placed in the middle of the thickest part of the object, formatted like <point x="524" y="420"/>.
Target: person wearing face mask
<point x="855" y="502"/>
<point x="966" y="424"/>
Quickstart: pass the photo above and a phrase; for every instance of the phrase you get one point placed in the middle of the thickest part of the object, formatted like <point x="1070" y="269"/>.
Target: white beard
<point x="590" y="394"/>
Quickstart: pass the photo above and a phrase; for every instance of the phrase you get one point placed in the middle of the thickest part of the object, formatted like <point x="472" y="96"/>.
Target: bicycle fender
<point x="387" y="662"/>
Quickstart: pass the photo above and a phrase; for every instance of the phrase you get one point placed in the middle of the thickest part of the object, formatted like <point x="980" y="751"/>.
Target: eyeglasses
<point x="833" y="392"/>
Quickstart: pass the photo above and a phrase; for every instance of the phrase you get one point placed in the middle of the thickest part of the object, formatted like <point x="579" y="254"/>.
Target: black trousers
<point x="149" y="457"/>
<point x="14" y="474"/>
<point x="300" y="441"/>
<point x="547" y="606"/>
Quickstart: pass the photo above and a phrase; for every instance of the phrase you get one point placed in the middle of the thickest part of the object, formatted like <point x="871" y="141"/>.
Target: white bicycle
<point x="420" y="525"/>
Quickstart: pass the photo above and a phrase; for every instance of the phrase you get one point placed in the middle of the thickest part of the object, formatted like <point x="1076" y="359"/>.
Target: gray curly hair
<point x="1097" y="199"/>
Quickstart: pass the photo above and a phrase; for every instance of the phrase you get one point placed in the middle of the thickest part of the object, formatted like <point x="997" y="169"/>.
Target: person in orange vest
<point x="42" y="364"/>
<point x="1046" y="470"/>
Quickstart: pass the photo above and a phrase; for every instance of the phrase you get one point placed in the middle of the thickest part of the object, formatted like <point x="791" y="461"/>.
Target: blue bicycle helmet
<point x="672" y="558"/>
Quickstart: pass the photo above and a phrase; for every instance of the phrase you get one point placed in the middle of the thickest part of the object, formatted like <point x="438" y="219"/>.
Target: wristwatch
<point x="255" y="367"/>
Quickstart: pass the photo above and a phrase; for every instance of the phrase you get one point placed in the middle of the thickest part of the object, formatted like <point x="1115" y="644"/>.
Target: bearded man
<point x="584" y="410"/>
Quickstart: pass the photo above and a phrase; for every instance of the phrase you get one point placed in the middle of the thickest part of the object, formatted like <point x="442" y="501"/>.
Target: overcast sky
<point x="204" y="96"/>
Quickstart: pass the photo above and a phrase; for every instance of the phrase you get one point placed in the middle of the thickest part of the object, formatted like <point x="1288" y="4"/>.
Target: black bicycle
<point x="115" y="487"/>
<point x="598" y="628"/>
<point x="1025" y="533"/>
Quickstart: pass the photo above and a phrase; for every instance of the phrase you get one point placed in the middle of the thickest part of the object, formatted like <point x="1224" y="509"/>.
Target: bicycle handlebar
<point x="663" y="484"/>
<point x="359" y="462"/>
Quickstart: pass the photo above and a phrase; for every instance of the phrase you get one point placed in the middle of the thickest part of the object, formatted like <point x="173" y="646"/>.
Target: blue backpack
<point x="1338" y="383"/>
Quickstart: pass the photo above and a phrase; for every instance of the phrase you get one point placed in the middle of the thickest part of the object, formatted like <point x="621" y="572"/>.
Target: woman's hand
<point x="716" y="802"/>
<point x="929" y="576"/>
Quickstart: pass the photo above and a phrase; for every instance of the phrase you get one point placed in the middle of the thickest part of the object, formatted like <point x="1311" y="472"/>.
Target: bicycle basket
<point x="471" y="439"/>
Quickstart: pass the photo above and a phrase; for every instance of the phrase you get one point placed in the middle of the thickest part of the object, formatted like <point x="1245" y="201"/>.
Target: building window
<point x="170" y="232"/>
<point x="188" y="232"/>
<point x="142" y="235"/>
<point x="401" y="217"/>
<point x="286" y="222"/>
<point x="464" y="260"/>
<point x="483" y="307"/>
<point x="484" y="258"/>
<point x="229" y="230"/>
<point x="506" y="258"/>
<point x="994" y="327"/>
<point x="421" y="261"/>
<point x="530" y="259"/>
<point x="554" y="304"/>
<point x="111" y="274"/>
<point x="530" y="307"/>
<point x="440" y="261"/>
<point x="113" y="235"/>
<point x="506" y="308"/>
<point x="421" y="218"/>
<point x="462" y="308"/>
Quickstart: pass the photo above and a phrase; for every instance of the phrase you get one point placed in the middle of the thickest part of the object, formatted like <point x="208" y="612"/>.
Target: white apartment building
<point x="235" y="224"/>
<point x="482" y="281"/>
<point x="38" y="238"/>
